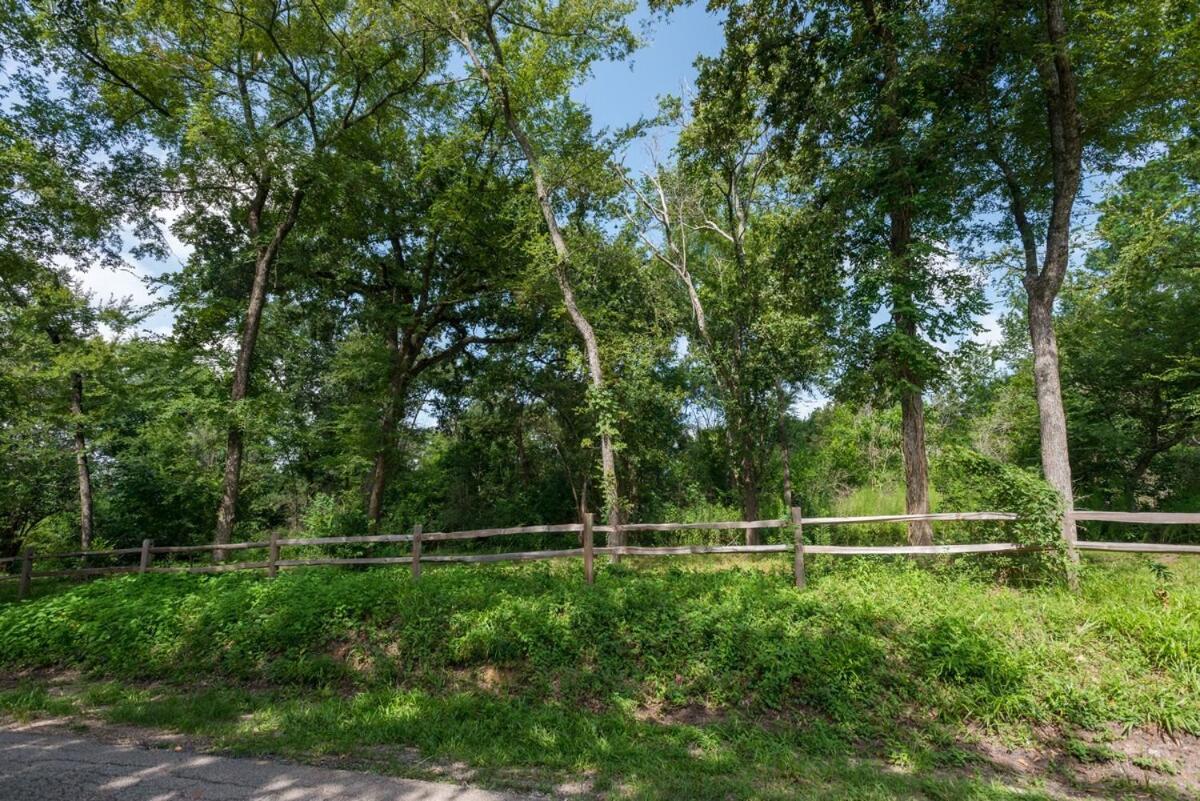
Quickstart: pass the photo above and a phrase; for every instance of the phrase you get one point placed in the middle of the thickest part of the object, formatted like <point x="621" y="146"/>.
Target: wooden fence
<point x="587" y="549"/>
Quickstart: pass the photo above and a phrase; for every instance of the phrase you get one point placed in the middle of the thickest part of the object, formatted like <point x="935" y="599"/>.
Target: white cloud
<point x="126" y="283"/>
<point x="180" y="252"/>
<point x="131" y="282"/>
<point x="991" y="333"/>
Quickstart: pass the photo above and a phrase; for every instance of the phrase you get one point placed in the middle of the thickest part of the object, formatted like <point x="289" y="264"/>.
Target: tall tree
<point x="847" y="90"/>
<point x="1051" y="89"/>
<point x="527" y="55"/>
<point x="715" y="220"/>
<point x="675" y="204"/>
<point x="69" y="185"/>
<point x="50" y="329"/>
<point x="1043" y="278"/>
<point x="1131" y="359"/>
<point x="414" y="252"/>
<point x="250" y="103"/>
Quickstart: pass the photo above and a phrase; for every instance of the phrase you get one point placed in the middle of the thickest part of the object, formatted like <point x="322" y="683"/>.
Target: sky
<point x="618" y="93"/>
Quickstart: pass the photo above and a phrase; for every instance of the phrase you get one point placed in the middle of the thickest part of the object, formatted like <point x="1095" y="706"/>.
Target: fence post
<point x="26" y="573"/>
<point x="273" y="555"/>
<point x="146" y="556"/>
<point x="416" y="551"/>
<point x="798" y="530"/>
<point x="589" y="572"/>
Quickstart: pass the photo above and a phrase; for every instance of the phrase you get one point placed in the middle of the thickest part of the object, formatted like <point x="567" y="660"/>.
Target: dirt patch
<point x="397" y="759"/>
<point x="1023" y="759"/>
<point x="487" y="678"/>
<point x="689" y="715"/>
<point x="45" y="676"/>
<point x="356" y="653"/>
<point x="494" y="679"/>
<point x="1137" y="763"/>
<point x="582" y="786"/>
<point x="1145" y="757"/>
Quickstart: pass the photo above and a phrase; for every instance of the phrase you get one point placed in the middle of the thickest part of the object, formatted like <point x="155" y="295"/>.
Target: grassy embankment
<point x="878" y="682"/>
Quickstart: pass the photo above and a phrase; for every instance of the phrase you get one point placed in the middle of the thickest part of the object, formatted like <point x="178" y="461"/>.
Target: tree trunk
<point x="1064" y="130"/>
<point x="785" y="449"/>
<point x="608" y="463"/>
<point x="750" y="503"/>
<point x="86" y="520"/>
<point x="912" y="433"/>
<point x="735" y="219"/>
<point x="1056" y="464"/>
<point x="916" y="464"/>
<point x="265" y="259"/>
<point x="397" y="385"/>
<point x="378" y="485"/>
<point x="1066" y="149"/>
<point x="1158" y="444"/>
<point x="1135" y="479"/>
<point x="523" y="469"/>
<point x="83" y="470"/>
<point x="748" y="483"/>
<point x="230" y="488"/>
<point x="726" y="376"/>
<point x="900" y="235"/>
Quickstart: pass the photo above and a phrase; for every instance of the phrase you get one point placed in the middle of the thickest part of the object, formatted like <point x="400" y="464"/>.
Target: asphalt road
<point x="41" y="766"/>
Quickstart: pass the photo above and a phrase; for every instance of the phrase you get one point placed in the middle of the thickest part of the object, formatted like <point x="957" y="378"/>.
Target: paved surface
<point x="41" y="766"/>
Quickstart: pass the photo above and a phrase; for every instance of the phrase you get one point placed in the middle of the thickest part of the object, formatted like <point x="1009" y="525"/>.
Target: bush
<point x="866" y="501"/>
<point x="971" y="482"/>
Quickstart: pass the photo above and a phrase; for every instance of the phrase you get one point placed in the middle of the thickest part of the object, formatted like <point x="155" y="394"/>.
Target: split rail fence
<point x="587" y="550"/>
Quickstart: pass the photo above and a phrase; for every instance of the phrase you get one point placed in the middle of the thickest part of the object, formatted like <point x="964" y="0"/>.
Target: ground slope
<point x="879" y="681"/>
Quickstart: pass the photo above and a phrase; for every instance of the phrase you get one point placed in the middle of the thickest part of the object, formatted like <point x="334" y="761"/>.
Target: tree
<point x="1051" y="90"/>
<point x="849" y="91"/>
<point x="418" y="288"/>
<point x="1132" y="366"/>
<point x="413" y="253"/>
<point x="715" y="220"/>
<point x="250" y="104"/>
<point x="48" y="327"/>
<point x="66" y="178"/>
<point x="527" y="56"/>
<point x="675" y="205"/>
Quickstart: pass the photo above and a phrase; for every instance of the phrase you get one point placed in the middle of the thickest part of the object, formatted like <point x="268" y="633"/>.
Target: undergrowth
<point x="510" y="667"/>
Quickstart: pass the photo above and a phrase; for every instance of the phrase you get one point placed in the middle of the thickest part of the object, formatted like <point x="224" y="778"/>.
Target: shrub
<point x="970" y="482"/>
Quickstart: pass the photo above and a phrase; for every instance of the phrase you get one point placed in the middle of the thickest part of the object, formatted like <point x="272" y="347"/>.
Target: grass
<point x="657" y="682"/>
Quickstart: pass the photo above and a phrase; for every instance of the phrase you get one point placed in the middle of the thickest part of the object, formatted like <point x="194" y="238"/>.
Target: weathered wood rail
<point x="587" y="549"/>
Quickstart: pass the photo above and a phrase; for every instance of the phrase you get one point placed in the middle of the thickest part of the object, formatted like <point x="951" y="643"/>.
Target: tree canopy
<point x="422" y="283"/>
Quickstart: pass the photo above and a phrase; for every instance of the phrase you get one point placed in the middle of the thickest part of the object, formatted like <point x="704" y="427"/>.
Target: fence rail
<point x="1148" y="518"/>
<point x="587" y="549"/>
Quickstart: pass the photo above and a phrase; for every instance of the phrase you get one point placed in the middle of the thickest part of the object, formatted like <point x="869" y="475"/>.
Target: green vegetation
<point x="713" y="681"/>
<point x="402" y="275"/>
<point x="398" y="273"/>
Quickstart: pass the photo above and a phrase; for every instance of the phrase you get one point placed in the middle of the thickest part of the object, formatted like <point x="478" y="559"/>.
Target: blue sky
<point x="619" y="93"/>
